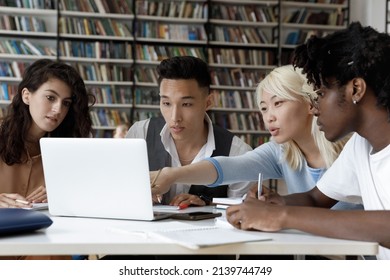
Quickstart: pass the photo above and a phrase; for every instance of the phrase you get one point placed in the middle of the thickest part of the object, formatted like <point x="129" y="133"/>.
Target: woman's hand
<point x="13" y="200"/>
<point x="38" y="196"/>
<point x="187" y="199"/>
<point x="160" y="181"/>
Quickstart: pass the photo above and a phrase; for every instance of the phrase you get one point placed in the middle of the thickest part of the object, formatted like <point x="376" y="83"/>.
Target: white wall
<point x="369" y="12"/>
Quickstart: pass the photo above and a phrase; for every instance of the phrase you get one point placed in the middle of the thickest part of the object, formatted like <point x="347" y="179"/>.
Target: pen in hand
<point x="260" y="186"/>
<point x="154" y="183"/>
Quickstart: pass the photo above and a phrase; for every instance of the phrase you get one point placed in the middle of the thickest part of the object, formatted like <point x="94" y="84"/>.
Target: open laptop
<point x="98" y="177"/>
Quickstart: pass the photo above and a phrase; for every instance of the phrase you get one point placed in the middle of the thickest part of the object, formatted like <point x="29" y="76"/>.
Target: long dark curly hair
<point x="356" y="51"/>
<point x="15" y="125"/>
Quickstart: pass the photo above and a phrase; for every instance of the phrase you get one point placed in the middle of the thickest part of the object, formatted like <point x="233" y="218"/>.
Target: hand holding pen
<point x="156" y="197"/>
<point x="258" y="191"/>
<point x="260" y="186"/>
<point x="13" y="200"/>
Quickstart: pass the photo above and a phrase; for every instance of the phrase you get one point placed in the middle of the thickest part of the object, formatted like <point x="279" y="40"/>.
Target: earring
<point x="354" y="102"/>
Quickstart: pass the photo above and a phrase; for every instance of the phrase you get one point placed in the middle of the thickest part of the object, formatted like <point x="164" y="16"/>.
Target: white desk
<point x="68" y="236"/>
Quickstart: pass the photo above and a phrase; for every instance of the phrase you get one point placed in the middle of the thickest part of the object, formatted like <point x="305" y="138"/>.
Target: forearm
<point x="354" y="224"/>
<point x="200" y="173"/>
<point x="298" y="199"/>
<point x="313" y="198"/>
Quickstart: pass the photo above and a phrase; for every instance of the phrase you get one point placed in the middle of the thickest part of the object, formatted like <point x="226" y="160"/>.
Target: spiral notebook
<point x="195" y="238"/>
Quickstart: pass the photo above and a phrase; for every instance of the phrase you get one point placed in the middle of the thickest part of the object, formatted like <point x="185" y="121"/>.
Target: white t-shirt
<point x="360" y="176"/>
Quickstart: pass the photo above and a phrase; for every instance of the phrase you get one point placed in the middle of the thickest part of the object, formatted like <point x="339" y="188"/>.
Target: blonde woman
<point x="298" y="152"/>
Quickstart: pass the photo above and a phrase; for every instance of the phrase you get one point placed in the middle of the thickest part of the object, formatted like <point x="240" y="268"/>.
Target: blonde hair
<point x="290" y="84"/>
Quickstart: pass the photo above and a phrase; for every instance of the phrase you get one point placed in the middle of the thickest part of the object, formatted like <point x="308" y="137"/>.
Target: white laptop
<point x="98" y="177"/>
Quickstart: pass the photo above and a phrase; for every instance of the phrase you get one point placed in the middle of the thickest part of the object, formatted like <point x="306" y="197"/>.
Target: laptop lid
<point x="97" y="177"/>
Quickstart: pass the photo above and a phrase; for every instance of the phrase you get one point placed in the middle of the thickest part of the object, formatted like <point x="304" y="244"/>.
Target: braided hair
<point x="353" y="52"/>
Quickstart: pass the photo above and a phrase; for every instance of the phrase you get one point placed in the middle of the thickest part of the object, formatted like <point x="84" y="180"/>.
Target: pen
<point x="154" y="182"/>
<point x="22" y="201"/>
<point x="260" y="185"/>
<point x="183" y="206"/>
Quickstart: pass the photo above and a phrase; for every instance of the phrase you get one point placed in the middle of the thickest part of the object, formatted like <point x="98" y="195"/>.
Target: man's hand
<point x="187" y="199"/>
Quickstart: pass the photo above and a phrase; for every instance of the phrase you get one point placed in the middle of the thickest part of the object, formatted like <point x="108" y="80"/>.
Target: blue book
<point x="4" y="90"/>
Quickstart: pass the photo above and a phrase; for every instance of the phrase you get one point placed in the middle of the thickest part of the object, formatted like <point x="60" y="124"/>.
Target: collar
<point x="206" y="151"/>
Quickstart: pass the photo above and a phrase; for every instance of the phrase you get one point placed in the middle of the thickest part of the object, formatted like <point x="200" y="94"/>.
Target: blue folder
<point x="17" y="220"/>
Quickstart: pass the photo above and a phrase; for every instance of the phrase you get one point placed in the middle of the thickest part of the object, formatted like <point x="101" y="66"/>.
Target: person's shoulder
<point x="142" y="123"/>
<point x="138" y="129"/>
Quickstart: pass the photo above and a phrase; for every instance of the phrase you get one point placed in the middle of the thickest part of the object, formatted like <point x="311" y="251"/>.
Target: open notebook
<point x="195" y="238"/>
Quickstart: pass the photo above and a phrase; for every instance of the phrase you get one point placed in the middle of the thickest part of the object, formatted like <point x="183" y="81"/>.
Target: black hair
<point x="15" y="125"/>
<point x="184" y="67"/>
<point x="353" y="52"/>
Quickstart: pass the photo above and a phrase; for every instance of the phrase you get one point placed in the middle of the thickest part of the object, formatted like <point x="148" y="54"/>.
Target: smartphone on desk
<point x="196" y="216"/>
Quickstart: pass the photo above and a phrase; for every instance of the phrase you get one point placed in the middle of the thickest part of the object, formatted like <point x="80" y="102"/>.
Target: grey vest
<point x="159" y="157"/>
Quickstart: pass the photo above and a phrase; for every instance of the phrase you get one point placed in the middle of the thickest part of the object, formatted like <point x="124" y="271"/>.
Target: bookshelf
<point x="387" y="17"/>
<point x="301" y="19"/>
<point x="117" y="44"/>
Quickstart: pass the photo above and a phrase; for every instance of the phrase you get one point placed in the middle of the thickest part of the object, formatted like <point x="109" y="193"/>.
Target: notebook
<point x="195" y="238"/>
<point x="17" y="220"/>
<point x="98" y="177"/>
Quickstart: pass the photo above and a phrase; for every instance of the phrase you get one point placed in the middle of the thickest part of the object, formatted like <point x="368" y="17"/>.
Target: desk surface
<point x="70" y="236"/>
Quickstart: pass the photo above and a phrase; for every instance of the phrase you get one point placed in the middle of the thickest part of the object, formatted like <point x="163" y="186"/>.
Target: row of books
<point x="22" y="23"/>
<point x="239" y="34"/>
<point x="112" y="50"/>
<point x="234" y="99"/>
<point x="249" y="13"/>
<point x="25" y="47"/>
<point x="302" y="16"/>
<point x="98" y="6"/>
<point x="158" y="53"/>
<point x="12" y="69"/>
<point x="93" y="26"/>
<point x="143" y="115"/>
<point x="236" y="77"/>
<point x="118" y="50"/>
<point x="145" y="74"/>
<point x="239" y="121"/>
<point x="147" y="96"/>
<point x="29" y="4"/>
<point x="103" y="72"/>
<point x="254" y="140"/>
<point x="112" y="94"/>
<point x="241" y="56"/>
<point x="171" y="31"/>
<point x="109" y="117"/>
<point x="7" y="91"/>
<point x="174" y="9"/>
<point x="300" y="36"/>
<point x="320" y="1"/>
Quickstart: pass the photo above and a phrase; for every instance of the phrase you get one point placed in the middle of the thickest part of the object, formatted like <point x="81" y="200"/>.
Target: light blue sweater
<point x="269" y="160"/>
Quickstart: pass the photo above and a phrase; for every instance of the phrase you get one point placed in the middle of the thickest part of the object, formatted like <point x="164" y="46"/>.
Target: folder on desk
<point x="17" y="220"/>
<point x="195" y="238"/>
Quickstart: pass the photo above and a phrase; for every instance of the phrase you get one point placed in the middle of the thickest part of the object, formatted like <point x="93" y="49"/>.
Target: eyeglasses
<point x="313" y="100"/>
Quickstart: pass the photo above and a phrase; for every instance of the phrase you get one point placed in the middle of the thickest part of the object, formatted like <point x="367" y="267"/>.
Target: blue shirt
<point x="269" y="160"/>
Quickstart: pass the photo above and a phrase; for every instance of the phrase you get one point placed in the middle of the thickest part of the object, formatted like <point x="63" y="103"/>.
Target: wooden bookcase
<point x="117" y="44"/>
<point x="387" y="16"/>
